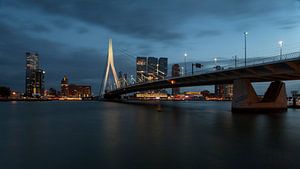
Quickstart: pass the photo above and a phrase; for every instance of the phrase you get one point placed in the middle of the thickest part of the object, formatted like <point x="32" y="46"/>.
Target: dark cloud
<point x="287" y="23"/>
<point x="37" y="28"/>
<point x="158" y="21"/>
<point x="82" y="30"/>
<point x="78" y="63"/>
<point x="61" y="23"/>
<point x="30" y="25"/>
<point x="151" y="19"/>
<point x="208" y="33"/>
<point x="135" y="20"/>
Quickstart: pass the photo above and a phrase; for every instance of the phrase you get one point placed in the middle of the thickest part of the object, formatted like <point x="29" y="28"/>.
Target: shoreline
<point x="128" y="101"/>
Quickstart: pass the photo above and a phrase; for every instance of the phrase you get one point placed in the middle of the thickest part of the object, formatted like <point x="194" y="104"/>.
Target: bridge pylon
<point x="109" y="65"/>
<point x="245" y="99"/>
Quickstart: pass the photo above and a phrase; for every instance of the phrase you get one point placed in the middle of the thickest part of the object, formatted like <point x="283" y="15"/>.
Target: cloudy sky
<point x="71" y="36"/>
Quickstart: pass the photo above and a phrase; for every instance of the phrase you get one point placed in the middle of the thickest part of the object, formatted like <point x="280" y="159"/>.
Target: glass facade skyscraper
<point x="34" y="81"/>
<point x="163" y="68"/>
<point x="141" y="69"/>
<point x="152" y="66"/>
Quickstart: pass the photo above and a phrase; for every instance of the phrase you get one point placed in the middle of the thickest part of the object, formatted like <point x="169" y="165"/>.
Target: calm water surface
<point x="92" y="135"/>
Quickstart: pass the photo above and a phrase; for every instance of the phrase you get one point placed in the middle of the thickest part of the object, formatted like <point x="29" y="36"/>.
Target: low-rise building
<point x="74" y="90"/>
<point x="80" y="91"/>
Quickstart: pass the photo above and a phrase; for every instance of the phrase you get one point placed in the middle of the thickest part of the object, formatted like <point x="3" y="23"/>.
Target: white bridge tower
<point x="110" y="64"/>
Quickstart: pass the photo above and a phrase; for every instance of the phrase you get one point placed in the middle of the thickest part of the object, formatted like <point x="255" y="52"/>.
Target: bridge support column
<point x="245" y="99"/>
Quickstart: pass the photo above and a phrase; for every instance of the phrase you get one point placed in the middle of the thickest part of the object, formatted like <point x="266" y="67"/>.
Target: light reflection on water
<point x="174" y="135"/>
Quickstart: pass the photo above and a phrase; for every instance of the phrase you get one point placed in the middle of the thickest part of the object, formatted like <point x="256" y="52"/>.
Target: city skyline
<point x="177" y="84"/>
<point x="72" y="39"/>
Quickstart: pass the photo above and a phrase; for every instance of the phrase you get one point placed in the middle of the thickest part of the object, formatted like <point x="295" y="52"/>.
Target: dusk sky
<point x="71" y="37"/>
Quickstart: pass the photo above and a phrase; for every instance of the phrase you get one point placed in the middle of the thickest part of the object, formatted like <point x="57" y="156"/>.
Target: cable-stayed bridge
<point x="270" y="69"/>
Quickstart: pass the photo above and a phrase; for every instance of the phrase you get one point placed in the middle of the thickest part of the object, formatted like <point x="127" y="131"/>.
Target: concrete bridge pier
<point x="245" y="99"/>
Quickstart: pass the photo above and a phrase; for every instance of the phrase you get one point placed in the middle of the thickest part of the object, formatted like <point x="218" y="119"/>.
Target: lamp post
<point x="185" y="68"/>
<point x="245" y="38"/>
<point x="157" y="70"/>
<point x="235" y="59"/>
<point x="280" y="45"/>
<point x="215" y="59"/>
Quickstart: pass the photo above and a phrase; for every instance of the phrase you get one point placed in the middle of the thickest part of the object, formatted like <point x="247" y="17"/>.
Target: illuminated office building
<point x="163" y="68"/>
<point x="141" y="69"/>
<point x="34" y="80"/>
<point x="152" y="67"/>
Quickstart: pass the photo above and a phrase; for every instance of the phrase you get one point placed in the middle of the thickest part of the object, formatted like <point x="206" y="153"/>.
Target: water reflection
<point x="172" y="135"/>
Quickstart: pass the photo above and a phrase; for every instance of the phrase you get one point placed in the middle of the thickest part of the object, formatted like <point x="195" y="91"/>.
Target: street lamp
<point x="280" y="45"/>
<point x="215" y="59"/>
<point x="157" y="70"/>
<point x="235" y="59"/>
<point x="185" y="68"/>
<point x="245" y="36"/>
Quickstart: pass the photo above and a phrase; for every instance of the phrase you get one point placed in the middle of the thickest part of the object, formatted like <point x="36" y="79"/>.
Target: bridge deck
<point x="288" y="69"/>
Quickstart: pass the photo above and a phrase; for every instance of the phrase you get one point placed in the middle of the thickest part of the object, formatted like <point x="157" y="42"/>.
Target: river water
<point x="92" y="135"/>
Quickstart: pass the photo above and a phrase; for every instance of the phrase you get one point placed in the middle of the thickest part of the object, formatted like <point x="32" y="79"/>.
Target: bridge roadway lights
<point x="245" y="99"/>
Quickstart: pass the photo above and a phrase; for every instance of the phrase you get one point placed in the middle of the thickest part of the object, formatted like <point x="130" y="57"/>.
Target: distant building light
<point x="173" y="81"/>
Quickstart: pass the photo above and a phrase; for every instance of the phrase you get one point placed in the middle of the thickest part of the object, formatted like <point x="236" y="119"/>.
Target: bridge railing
<point x="276" y="58"/>
<point x="232" y="65"/>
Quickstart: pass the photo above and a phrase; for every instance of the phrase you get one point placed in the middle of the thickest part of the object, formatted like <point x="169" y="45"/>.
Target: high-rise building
<point x="152" y="67"/>
<point x="64" y="87"/>
<point x="34" y="82"/>
<point x="162" y="67"/>
<point x="39" y="86"/>
<point x="175" y="73"/>
<point x="141" y="69"/>
<point x="32" y="63"/>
